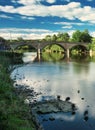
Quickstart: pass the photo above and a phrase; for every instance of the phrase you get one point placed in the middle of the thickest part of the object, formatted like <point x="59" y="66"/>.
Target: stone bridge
<point x="39" y="46"/>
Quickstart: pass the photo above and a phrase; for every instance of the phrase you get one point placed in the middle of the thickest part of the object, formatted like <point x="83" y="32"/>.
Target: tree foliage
<point x="76" y="36"/>
<point x="92" y="45"/>
<point x="79" y="36"/>
<point x="85" y="36"/>
<point x="54" y="38"/>
<point x="48" y="38"/>
<point x="59" y="37"/>
<point x="2" y="40"/>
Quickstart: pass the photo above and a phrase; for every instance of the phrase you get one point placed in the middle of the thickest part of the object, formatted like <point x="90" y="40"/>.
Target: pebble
<point x="67" y="99"/>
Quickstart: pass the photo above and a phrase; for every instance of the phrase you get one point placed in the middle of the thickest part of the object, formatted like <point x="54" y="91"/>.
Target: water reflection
<point x="29" y="56"/>
<point x="67" y="79"/>
<point x="54" y="56"/>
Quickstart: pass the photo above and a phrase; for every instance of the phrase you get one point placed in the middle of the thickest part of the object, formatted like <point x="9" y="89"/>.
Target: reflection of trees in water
<point x="81" y="64"/>
<point x="52" y="56"/>
<point x="80" y="57"/>
<point x="92" y="59"/>
<point x="26" y="48"/>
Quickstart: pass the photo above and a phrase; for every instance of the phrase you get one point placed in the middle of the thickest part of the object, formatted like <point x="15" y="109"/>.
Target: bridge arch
<point x="24" y="46"/>
<point x="53" y="44"/>
<point x="79" y="45"/>
<point x="79" y="48"/>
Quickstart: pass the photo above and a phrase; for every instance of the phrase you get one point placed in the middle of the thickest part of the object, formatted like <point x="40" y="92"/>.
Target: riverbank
<point x="14" y="114"/>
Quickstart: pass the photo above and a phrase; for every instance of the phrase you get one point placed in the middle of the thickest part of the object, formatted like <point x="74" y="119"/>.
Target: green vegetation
<point x="24" y="48"/>
<point x="14" y="114"/>
<point x="52" y="56"/>
<point x="53" y="53"/>
<point x="92" y="45"/>
<point x="53" y="48"/>
<point x="59" y="37"/>
<point x="77" y="36"/>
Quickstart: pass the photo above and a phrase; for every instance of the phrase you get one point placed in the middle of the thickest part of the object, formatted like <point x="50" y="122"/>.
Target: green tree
<point x="63" y="37"/>
<point x="48" y="38"/>
<point x="54" y="38"/>
<point x="59" y="36"/>
<point x="76" y="36"/>
<point x="20" y="39"/>
<point x="79" y="36"/>
<point x="92" y="45"/>
<point x="66" y="37"/>
<point x="93" y="40"/>
<point x="85" y="36"/>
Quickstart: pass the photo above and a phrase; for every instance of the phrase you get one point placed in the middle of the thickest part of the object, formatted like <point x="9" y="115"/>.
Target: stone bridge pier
<point x="68" y="53"/>
<point x="39" y="53"/>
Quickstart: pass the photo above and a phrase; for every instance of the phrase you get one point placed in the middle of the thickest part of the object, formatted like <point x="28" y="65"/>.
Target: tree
<point x="48" y="38"/>
<point x="20" y="39"/>
<point x="59" y="37"/>
<point x="54" y="38"/>
<point x="66" y="37"/>
<point x="93" y="40"/>
<point x="85" y="36"/>
<point x="76" y="36"/>
<point x="63" y="37"/>
<point x="92" y="45"/>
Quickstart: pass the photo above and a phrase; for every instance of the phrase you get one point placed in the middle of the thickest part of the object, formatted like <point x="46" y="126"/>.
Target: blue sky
<point x="34" y="19"/>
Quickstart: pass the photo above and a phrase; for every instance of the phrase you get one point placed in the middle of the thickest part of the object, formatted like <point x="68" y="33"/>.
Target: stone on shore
<point x="52" y="106"/>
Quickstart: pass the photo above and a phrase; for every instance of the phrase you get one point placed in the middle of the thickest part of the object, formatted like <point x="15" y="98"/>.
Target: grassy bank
<point x="14" y="114"/>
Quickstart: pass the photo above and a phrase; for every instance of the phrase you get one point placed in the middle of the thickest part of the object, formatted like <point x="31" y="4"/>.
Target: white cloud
<point x="92" y="34"/>
<point x="5" y="16"/>
<point x="51" y="1"/>
<point x="28" y="2"/>
<point x="8" y="9"/>
<point x="70" y="32"/>
<point x="69" y="23"/>
<point x="71" y="11"/>
<point x="29" y="18"/>
<point x="67" y="27"/>
<point x="24" y="30"/>
<point x="31" y="2"/>
<point x="14" y="33"/>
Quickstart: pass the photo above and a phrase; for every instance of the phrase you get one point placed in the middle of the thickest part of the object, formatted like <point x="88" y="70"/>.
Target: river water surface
<point x="73" y="79"/>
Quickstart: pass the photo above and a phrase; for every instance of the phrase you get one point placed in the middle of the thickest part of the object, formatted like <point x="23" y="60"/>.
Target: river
<point x="68" y="78"/>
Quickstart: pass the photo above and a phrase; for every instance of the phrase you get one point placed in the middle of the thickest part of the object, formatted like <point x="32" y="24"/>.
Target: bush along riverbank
<point x="14" y="114"/>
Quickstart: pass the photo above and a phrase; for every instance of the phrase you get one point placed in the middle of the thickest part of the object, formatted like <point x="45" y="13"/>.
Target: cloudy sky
<point x="33" y="19"/>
